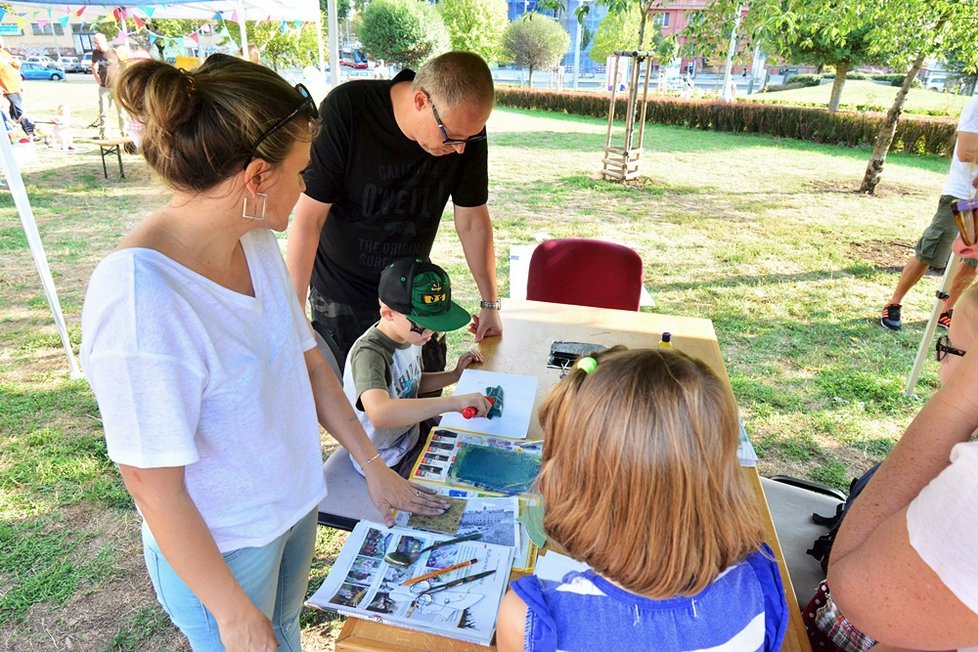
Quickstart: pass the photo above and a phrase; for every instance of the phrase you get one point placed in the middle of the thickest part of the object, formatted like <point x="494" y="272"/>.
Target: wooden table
<point x="108" y="147"/>
<point x="529" y="328"/>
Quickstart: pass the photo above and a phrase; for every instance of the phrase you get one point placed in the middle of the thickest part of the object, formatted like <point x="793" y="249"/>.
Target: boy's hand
<point x="467" y="359"/>
<point x="480" y="403"/>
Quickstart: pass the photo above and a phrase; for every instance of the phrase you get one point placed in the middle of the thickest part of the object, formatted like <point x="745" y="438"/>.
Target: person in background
<point x="105" y="67"/>
<point x="934" y="247"/>
<point x="641" y="481"/>
<point x="389" y="157"/>
<point x="380" y="70"/>
<point x="11" y="84"/>
<point x="210" y="388"/>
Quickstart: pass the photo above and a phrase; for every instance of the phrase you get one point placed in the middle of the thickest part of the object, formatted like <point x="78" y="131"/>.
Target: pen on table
<point x="461" y="580"/>
<point x="440" y="571"/>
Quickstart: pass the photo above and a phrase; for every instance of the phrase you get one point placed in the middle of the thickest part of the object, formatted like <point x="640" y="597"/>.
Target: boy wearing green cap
<point x="383" y="375"/>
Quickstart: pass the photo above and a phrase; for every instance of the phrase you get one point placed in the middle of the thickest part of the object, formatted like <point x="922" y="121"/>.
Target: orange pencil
<point x="440" y="571"/>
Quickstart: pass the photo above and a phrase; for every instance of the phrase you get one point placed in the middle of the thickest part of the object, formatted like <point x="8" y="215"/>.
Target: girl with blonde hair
<point x="641" y="481"/>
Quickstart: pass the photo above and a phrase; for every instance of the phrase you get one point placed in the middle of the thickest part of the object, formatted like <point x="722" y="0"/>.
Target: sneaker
<point x="891" y="316"/>
<point x="944" y="321"/>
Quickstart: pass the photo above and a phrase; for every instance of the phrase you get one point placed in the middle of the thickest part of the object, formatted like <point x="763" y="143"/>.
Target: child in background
<point x="641" y="481"/>
<point x="62" y="128"/>
<point x="383" y="374"/>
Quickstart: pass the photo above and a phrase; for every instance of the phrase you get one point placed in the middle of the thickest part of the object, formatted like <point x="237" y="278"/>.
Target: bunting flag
<point x="139" y="21"/>
<point x="80" y="11"/>
<point x="282" y="27"/>
<point x="147" y="10"/>
<point x="64" y="20"/>
<point x="193" y="37"/>
<point x="122" y="37"/>
<point x="234" y="16"/>
<point x="3" y="12"/>
<point x="218" y="16"/>
<point x="152" y="38"/>
<point x="298" y="24"/>
<point x="42" y="23"/>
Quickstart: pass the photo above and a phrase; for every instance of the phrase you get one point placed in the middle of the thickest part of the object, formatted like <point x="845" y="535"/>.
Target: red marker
<point x="470" y="411"/>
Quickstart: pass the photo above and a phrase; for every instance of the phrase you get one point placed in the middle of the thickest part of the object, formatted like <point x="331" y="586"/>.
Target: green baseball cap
<point x="422" y="292"/>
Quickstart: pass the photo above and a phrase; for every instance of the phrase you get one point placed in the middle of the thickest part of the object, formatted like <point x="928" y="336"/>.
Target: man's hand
<point x="486" y="324"/>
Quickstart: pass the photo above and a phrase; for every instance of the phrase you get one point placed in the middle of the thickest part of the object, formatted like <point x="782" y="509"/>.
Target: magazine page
<point x="452" y="590"/>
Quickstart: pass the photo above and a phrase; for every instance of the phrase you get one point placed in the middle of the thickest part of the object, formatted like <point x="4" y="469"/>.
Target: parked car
<point x="86" y="62"/>
<point x="71" y="64"/>
<point x="34" y="70"/>
<point x="936" y="83"/>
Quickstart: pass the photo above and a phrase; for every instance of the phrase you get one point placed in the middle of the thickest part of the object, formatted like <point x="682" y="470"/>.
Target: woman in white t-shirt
<point x="904" y="568"/>
<point x="204" y="366"/>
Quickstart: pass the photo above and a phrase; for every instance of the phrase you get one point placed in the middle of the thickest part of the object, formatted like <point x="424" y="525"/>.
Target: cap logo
<point x="434" y="298"/>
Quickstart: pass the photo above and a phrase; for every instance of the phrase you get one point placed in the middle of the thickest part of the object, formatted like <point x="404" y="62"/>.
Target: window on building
<point x="50" y="29"/>
<point x="661" y="19"/>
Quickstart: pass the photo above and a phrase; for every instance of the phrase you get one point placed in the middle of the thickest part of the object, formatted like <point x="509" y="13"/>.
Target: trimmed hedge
<point x="914" y="135"/>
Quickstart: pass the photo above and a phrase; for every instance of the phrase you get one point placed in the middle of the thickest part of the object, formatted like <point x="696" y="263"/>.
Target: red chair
<point x="584" y="272"/>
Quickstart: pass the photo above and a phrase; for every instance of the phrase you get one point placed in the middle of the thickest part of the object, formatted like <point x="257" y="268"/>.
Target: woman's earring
<point x="261" y="201"/>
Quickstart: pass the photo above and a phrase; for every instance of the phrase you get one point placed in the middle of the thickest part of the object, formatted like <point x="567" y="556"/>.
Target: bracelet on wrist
<point x="371" y="459"/>
<point x="491" y="305"/>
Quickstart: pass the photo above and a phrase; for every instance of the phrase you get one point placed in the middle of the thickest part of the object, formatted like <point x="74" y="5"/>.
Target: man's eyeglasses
<point x="453" y="141"/>
<point x="307" y="104"/>
<point x="944" y="348"/>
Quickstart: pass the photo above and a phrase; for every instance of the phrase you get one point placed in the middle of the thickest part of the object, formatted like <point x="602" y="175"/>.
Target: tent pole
<point x="923" y="351"/>
<point x="334" y="45"/>
<point x="243" y="31"/>
<point x="19" y="193"/>
<point x="321" y="47"/>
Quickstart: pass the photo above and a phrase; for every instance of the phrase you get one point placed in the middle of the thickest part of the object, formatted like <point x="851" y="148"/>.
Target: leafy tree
<point x="535" y="41"/>
<point x="904" y="32"/>
<point x="406" y="32"/>
<point x="171" y="28"/>
<point x="476" y="26"/>
<point x="296" y="47"/>
<point x="814" y="46"/>
<point x="619" y="31"/>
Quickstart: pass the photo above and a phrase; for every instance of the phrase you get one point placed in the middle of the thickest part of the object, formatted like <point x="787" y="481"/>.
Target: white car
<point x="936" y="83"/>
<point x="45" y="61"/>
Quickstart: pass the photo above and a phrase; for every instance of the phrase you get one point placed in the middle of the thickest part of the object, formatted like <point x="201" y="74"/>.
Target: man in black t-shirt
<point x="389" y="156"/>
<point x="105" y="65"/>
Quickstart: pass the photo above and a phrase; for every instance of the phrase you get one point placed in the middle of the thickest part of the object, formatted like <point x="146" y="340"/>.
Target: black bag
<point x="822" y="547"/>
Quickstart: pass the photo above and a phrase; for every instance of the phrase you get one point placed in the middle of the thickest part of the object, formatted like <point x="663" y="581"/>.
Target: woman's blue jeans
<point x="274" y="576"/>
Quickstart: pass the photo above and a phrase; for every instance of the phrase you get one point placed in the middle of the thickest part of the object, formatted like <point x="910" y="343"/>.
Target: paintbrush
<point x="440" y="571"/>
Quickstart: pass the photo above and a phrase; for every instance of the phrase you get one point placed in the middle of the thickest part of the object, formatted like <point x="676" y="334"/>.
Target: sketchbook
<point x="363" y="585"/>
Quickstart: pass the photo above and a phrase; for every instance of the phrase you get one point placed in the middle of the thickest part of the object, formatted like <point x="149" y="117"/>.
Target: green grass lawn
<point x="866" y="93"/>
<point x="766" y="237"/>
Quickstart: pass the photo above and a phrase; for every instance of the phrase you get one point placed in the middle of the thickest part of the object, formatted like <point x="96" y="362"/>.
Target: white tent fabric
<point x="305" y="10"/>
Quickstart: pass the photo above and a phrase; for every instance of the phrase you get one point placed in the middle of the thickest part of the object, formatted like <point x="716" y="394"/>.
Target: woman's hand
<point x="389" y="491"/>
<point x="486" y="324"/>
<point x="248" y="631"/>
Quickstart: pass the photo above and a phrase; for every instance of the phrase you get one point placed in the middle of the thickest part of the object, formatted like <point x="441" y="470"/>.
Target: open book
<point x="362" y="584"/>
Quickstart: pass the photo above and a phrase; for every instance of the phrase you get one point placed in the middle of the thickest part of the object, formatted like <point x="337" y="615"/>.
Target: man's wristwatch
<point x="491" y="305"/>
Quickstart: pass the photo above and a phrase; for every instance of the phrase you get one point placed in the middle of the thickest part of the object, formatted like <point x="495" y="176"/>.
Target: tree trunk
<point x="530" y="81"/>
<point x="874" y="169"/>
<point x="841" y="70"/>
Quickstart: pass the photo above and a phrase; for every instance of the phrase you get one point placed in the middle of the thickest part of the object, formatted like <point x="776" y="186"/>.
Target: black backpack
<point x="822" y="547"/>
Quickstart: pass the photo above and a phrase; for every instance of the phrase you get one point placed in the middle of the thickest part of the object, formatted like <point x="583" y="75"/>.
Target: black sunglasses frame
<point x="307" y="103"/>
<point x="417" y="328"/>
<point x="943" y="348"/>
<point x="453" y="141"/>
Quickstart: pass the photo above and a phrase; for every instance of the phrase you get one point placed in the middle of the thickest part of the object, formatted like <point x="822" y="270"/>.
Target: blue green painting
<point x="495" y="469"/>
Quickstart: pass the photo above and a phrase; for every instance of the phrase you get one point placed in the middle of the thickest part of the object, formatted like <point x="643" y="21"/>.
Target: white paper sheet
<point x="519" y="392"/>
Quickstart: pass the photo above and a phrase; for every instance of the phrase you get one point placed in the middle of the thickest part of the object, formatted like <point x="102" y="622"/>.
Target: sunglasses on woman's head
<point x="307" y="104"/>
